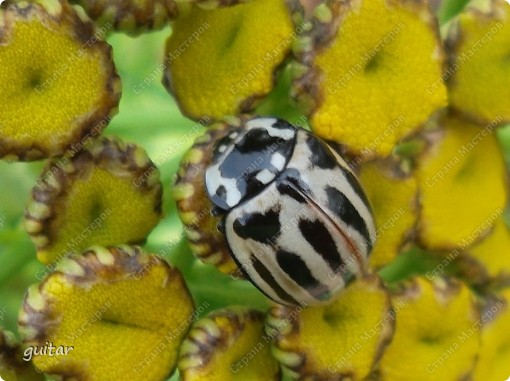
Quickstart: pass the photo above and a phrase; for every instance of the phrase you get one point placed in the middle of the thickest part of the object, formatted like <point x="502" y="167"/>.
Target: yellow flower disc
<point x="58" y="82"/>
<point x="393" y="196"/>
<point x="342" y="339"/>
<point x="108" y="193"/>
<point x="121" y="314"/>
<point x="462" y="181"/>
<point x="364" y="71"/>
<point x="479" y="71"/>
<point x="228" y="345"/>
<point x="131" y="16"/>
<point x="194" y="206"/>
<point x="12" y="364"/>
<point x="438" y="327"/>
<point x="220" y="61"/>
<point x="493" y="253"/>
<point x="492" y="361"/>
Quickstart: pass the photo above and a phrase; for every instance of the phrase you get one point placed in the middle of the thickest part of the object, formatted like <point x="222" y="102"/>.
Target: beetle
<point x="296" y="220"/>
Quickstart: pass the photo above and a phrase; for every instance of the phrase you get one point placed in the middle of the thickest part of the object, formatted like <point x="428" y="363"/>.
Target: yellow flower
<point x="492" y="253"/>
<point x="116" y="314"/>
<point x="462" y="182"/>
<point x="393" y="195"/>
<point x="57" y="80"/>
<point x="219" y="62"/>
<point x="479" y="71"/>
<point x="108" y="193"/>
<point x="438" y="326"/>
<point x="492" y="362"/>
<point x="370" y="72"/>
<point x="228" y="345"/>
<point x="131" y="16"/>
<point x="341" y="339"/>
<point x="12" y="365"/>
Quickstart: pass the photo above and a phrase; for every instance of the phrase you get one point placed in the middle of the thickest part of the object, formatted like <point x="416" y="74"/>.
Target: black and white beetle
<point x="295" y="217"/>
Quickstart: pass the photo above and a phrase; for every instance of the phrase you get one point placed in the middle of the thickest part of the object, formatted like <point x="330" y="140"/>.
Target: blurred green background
<point x="149" y="117"/>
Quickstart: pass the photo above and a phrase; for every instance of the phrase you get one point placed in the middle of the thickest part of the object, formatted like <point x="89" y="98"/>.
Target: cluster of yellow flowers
<point x="413" y="106"/>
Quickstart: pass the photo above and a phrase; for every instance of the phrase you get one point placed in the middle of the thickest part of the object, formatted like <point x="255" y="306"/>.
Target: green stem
<point x="182" y="257"/>
<point x="411" y="263"/>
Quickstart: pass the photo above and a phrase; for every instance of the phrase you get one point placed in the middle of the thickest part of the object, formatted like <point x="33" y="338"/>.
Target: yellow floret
<point x="123" y="312"/>
<point x="57" y="81"/>
<point x="378" y="77"/>
<point x="394" y="200"/>
<point x="462" y="182"/>
<point x="219" y="61"/>
<point x="479" y="76"/>
<point x="344" y="338"/>
<point x="228" y="345"/>
<point x="436" y="324"/>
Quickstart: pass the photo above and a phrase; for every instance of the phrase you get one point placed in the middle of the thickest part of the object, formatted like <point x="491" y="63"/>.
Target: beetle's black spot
<point x="343" y="208"/>
<point x="252" y="186"/>
<point x="221" y="192"/>
<point x="354" y="183"/>
<point x="223" y="142"/>
<point x="296" y="268"/>
<point x="282" y="124"/>
<point x="321" y="155"/>
<point x="321" y="240"/>
<point x="265" y="274"/>
<point x="255" y="140"/>
<point x="288" y="189"/>
<point x="264" y="228"/>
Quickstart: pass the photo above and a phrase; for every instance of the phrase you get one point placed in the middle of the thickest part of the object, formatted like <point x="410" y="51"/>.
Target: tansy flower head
<point x="108" y="193"/>
<point x="462" y="178"/>
<point x="228" y="344"/>
<point x="438" y="323"/>
<point x="57" y="80"/>
<point x="479" y="64"/>
<point x="343" y="339"/>
<point x="364" y="69"/>
<point x="116" y="313"/>
<point x="219" y="62"/>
